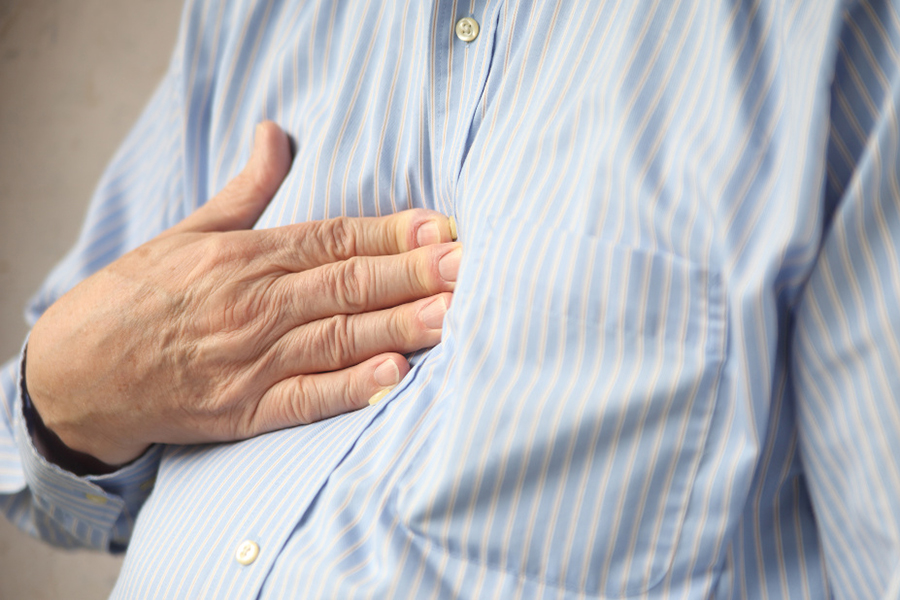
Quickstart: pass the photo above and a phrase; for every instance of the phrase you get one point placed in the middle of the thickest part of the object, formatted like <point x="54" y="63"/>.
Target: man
<point x="669" y="366"/>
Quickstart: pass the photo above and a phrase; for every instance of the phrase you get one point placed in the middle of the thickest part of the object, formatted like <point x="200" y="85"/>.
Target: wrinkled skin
<point x="216" y="332"/>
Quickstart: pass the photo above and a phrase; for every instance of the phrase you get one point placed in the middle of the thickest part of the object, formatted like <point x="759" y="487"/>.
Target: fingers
<point x="343" y="340"/>
<point x="367" y="283"/>
<point x="305" y="246"/>
<point x="309" y="398"/>
<point x="244" y="199"/>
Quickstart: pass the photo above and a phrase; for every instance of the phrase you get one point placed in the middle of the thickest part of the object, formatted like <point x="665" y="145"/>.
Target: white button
<point x="246" y="553"/>
<point x="467" y="29"/>
<point x="96" y="499"/>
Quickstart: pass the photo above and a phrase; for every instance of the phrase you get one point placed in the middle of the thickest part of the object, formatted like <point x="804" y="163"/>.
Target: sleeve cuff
<point x="99" y="510"/>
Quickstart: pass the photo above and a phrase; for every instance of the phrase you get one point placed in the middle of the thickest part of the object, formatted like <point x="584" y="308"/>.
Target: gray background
<point x="74" y="75"/>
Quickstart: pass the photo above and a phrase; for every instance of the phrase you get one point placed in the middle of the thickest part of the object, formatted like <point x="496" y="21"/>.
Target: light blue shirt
<point x="671" y="368"/>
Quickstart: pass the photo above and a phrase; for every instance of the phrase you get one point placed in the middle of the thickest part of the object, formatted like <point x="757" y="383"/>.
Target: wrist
<point x="51" y="446"/>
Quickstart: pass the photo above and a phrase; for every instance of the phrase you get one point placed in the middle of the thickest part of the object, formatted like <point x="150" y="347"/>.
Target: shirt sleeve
<point x="845" y="355"/>
<point x="140" y="194"/>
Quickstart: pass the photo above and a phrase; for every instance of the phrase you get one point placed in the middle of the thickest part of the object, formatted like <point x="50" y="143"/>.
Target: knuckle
<point x="340" y="345"/>
<point x="351" y="284"/>
<point x="245" y="422"/>
<point x="269" y="302"/>
<point x="300" y="409"/>
<point x="236" y="201"/>
<point x="248" y="314"/>
<point x="216" y="249"/>
<point x="421" y="269"/>
<point x="404" y="327"/>
<point x="305" y="402"/>
<point x="260" y="178"/>
<point x="339" y="237"/>
<point x="219" y="250"/>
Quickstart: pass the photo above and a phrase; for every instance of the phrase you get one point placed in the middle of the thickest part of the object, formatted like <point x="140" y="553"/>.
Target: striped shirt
<point x="671" y="368"/>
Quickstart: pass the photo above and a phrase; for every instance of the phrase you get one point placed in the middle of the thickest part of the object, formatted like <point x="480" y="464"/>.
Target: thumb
<point x="243" y="200"/>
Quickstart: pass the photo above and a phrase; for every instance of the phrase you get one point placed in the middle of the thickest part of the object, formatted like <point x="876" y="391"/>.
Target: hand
<point x="213" y="332"/>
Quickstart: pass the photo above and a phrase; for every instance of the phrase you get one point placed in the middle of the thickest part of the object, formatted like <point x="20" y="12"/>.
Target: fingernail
<point x="432" y="314"/>
<point x="428" y="233"/>
<point x="387" y="374"/>
<point x="453" y="236"/>
<point x="379" y="396"/>
<point x="448" y="266"/>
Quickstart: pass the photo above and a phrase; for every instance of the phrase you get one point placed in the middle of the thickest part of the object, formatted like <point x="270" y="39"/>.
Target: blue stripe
<point x="671" y="364"/>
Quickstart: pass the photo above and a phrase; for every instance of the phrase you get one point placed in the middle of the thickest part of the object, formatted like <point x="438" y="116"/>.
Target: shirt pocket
<point x="576" y="412"/>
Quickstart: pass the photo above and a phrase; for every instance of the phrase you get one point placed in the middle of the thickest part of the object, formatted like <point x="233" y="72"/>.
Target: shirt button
<point x="247" y="551"/>
<point x="467" y="29"/>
